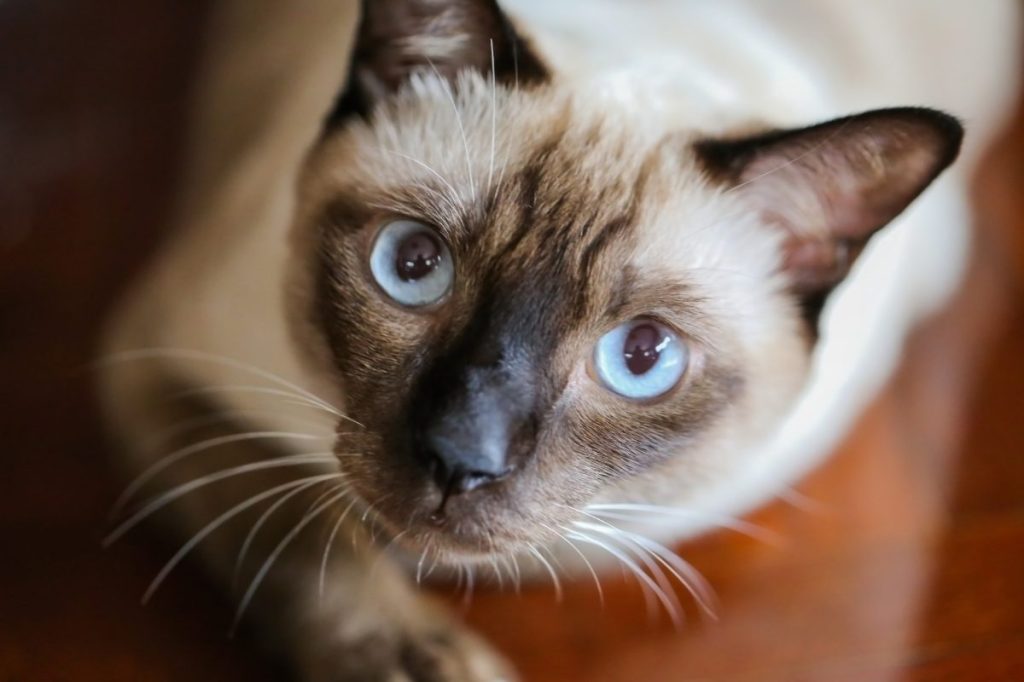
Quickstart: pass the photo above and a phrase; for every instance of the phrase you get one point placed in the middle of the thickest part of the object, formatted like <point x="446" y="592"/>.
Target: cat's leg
<point x="367" y="623"/>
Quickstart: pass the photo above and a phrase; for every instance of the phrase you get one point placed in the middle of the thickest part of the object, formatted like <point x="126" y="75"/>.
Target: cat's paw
<point x="445" y="654"/>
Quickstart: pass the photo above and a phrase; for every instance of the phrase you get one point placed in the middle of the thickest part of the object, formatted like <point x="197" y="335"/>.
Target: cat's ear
<point x="830" y="187"/>
<point x="396" y="38"/>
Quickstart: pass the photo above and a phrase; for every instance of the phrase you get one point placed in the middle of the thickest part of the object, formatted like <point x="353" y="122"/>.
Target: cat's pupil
<point x="641" y="348"/>
<point x="418" y="256"/>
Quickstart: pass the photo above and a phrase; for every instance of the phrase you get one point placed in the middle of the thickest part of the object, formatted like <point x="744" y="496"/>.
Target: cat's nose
<point x="453" y="477"/>
<point x="479" y="428"/>
<point x="459" y="467"/>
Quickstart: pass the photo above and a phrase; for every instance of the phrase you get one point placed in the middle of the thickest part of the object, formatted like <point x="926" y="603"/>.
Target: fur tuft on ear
<point x="831" y="186"/>
<point x="399" y="37"/>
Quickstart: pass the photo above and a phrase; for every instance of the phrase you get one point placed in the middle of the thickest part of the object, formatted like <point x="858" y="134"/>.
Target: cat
<point x="524" y="276"/>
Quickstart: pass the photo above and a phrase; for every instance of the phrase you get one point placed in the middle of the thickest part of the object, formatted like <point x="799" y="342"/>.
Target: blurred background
<point x="902" y="558"/>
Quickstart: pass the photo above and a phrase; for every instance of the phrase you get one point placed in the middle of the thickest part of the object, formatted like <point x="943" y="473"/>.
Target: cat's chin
<point x="460" y="535"/>
<point x="453" y="538"/>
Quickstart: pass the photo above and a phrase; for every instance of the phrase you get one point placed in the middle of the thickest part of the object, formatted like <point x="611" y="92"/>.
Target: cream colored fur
<point x="224" y="284"/>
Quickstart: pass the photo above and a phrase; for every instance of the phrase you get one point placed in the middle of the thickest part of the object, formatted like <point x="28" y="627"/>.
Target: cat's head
<point x="530" y="302"/>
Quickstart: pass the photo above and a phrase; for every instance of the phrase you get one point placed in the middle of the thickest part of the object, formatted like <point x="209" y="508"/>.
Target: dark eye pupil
<point x="641" y="348"/>
<point x="418" y="256"/>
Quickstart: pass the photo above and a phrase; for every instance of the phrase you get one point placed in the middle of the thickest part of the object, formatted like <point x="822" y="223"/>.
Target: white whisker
<point x="433" y="564"/>
<point x="281" y="546"/>
<point x="802" y="502"/>
<point x="689" y="577"/>
<point x="209" y="528"/>
<point x="458" y="119"/>
<point x="496" y="568"/>
<point x="165" y="436"/>
<point x="423" y="558"/>
<point x="651" y="598"/>
<point x="554" y="577"/>
<point x="262" y="390"/>
<point x="172" y="495"/>
<point x="799" y="157"/>
<point x="195" y="448"/>
<point x="653" y="566"/>
<point x="624" y="558"/>
<point x="250" y="537"/>
<point x="362" y="520"/>
<point x="517" y="573"/>
<point x="212" y="358"/>
<point x="494" y="118"/>
<point x="630" y="512"/>
<point x="454" y="196"/>
<point x="586" y="561"/>
<point x="330" y="543"/>
<point x="467" y="596"/>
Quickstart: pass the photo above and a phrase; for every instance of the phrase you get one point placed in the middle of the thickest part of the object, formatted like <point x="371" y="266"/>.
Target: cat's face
<point x="530" y="304"/>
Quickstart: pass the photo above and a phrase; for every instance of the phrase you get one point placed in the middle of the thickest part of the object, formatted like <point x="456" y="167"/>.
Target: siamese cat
<point x="526" y="294"/>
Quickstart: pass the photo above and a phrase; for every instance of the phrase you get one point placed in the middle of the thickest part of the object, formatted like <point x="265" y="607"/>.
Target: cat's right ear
<point x="830" y="187"/>
<point x="399" y="37"/>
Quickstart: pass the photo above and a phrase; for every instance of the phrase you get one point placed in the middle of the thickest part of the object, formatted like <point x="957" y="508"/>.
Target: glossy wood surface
<point x="900" y="559"/>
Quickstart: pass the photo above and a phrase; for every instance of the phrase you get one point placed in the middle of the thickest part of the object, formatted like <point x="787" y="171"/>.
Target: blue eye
<point x="411" y="263"/>
<point x="640" y="359"/>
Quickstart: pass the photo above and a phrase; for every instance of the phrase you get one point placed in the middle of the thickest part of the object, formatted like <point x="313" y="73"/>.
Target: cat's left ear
<point x="830" y="187"/>
<point x="396" y="38"/>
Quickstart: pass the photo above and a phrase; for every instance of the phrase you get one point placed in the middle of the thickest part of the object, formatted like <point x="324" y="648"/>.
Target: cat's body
<point x="245" y="279"/>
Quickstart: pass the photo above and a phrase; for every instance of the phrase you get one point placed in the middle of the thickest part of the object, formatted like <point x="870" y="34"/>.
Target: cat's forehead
<point x="466" y="139"/>
<point x="548" y="193"/>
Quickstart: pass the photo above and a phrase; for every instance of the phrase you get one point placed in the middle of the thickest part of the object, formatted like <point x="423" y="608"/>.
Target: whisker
<point x="423" y="557"/>
<point x="517" y="573"/>
<point x="250" y="537"/>
<point x="227" y="416"/>
<point x="454" y="196"/>
<point x="494" y="118"/>
<point x="496" y="568"/>
<point x="651" y="599"/>
<point x="799" y="157"/>
<point x="633" y="567"/>
<point x="458" y="119"/>
<point x="262" y="390"/>
<point x="688" y="576"/>
<point x="181" y="453"/>
<point x="443" y="211"/>
<point x="467" y="596"/>
<point x="586" y="561"/>
<point x="554" y="577"/>
<point x="515" y="62"/>
<point x="644" y="556"/>
<point x="802" y="502"/>
<point x="622" y="511"/>
<point x="281" y="546"/>
<point x="172" y="495"/>
<point x="362" y="519"/>
<point x="433" y="564"/>
<point x="212" y="358"/>
<point x="382" y="553"/>
<point x="330" y="543"/>
<point x="209" y="528"/>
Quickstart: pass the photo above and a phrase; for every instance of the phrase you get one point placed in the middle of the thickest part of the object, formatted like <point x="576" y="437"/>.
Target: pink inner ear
<point x="845" y="181"/>
<point x="815" y="263"/>
<point x="831" y="187"/>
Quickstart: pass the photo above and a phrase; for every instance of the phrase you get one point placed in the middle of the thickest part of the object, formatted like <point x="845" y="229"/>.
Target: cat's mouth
<point x="462" y="514"/>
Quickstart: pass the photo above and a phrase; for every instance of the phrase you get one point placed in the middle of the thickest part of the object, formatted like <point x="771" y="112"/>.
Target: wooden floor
<point x="901" y="559"/>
